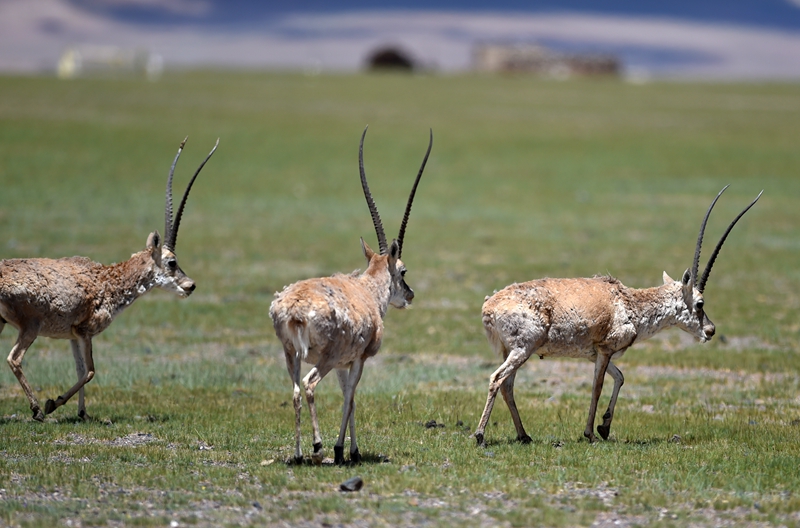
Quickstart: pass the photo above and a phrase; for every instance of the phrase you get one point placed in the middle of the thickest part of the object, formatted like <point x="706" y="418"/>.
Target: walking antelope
<point x="337" y="322"/>
<point x="74" y="298"/>
<point x="595" y="319"/>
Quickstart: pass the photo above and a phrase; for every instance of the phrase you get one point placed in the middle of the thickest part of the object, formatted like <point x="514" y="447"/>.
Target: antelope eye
<point x="699" y="305"/>
<point x="172" y="263"/>
<point x="402" y="273"/>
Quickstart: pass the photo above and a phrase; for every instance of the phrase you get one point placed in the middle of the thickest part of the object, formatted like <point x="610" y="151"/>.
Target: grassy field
<point x="527" y="178"/>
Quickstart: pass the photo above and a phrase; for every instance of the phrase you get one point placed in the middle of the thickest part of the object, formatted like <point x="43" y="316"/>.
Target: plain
<point x="527" y="178"/>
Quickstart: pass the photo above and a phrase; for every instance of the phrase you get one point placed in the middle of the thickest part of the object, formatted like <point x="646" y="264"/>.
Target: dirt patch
<point x="131" y="440"/>
<point x="559" y="376"/>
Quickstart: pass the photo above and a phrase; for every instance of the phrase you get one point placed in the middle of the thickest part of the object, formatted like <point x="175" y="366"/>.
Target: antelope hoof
<point x="604" y="431"/>
<point x="479" y="440"/>
<point x="590" y="437"/>
<point x="50" y="406"/>
<point x="338" y="455"/>
<point x="38" y="415"/>
<point x="318" y="454"/>
<point x="298" y="460"/>
<point x="83" y="416"/>
<point x="355" y="457"/>
<point x="524" y="439"/>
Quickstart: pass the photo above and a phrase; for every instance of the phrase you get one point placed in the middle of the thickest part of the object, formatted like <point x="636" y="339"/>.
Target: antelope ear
<point x="687" y="277"/>
<point x="394" y="250"/>
<point x="154" y="240"/>
<point x="667" y="278"/>
<point x="368" y="253"/>
<point x="154" y="245"/>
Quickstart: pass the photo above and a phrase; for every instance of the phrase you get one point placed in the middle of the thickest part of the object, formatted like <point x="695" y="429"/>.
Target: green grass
<point x="527" y="178"/>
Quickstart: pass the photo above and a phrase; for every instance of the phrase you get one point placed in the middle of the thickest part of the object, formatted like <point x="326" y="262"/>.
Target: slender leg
<point x="355" y="456"/>
<point x="507" y="390"/>
<point x="80" y="369"/>
<point x="600" y="366"/>
<point x="348" y="382"/>
<point x="85" y="344"/>
<point x="516" y="358"/>
<point x="293" y="366"/>
<point x="25" y="339"/>
<point x="313" y="377"/>
<point x="605" y="429"/>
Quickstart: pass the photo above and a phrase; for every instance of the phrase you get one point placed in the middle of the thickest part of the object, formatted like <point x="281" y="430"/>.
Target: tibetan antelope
<point x="74" y="298"/>
<point x="337" y="322"/>
<point x="595" y="319"/>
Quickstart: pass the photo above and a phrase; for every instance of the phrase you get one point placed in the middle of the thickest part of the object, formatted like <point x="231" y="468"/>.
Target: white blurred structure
<point x="532" y="58"/>
<point x="109" y="61"/>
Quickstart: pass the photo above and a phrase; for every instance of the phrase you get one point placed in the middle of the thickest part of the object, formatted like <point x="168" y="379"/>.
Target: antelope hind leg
<point x="516" y="358"/>
<point x="85" y="343"/>
<point x="24" y="341"/>
<point x="293" y="366"/>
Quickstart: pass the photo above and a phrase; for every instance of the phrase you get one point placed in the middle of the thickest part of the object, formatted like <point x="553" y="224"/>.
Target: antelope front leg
<point x="80" y="369"/>
<point x="600" y="366"/>
<point x="85" y="344"/>
<point x="348" y="381"/>
<point x="24" y="341"/>
<point x="514" y="360"/>
<point x="507" y="390"/>
<point x="605" y="429"/>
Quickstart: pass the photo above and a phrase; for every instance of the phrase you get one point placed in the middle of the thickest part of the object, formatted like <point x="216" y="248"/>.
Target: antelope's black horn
<point x="172" y="239"/>
<point x="696" y="261"/>
<point x="168" y="207"/>
<point x="376" y="218"/>
<point x="411" y="198"/>
<point x="702" y="284"/>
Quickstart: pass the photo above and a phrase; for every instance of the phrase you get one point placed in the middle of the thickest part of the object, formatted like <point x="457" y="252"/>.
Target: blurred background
<point x="714" y="39"/>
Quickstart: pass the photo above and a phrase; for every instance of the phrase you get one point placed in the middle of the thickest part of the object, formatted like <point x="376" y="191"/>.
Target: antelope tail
<point x="298" y="333"/>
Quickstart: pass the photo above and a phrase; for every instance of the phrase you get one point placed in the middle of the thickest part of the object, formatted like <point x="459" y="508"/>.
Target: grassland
<point x="528" y="178"/>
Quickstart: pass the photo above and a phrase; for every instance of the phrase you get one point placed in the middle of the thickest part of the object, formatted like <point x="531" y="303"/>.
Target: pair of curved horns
<point x="373" y="210"/>
<point x="701" y="284"/>
<point x="170" y="226"/>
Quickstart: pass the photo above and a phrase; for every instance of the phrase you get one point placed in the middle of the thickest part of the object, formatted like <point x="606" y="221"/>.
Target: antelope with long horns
<point x="74" y="298"/>
<point x="595" y="319"/>
<point x="337" y="322"/>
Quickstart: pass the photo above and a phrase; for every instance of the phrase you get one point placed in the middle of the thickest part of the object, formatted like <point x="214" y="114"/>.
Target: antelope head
<point x="400" y="294"/>
<point x="169" y="275"/>
<point x="692" y="317"/>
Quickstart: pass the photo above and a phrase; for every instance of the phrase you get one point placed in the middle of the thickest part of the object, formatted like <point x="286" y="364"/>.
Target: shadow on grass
<point x="643" y="442"/>
<point x="557" y="443"/>
<point x="503" y="442"/>
<point x="366" y="458"/>
<point x="67" y="419"/>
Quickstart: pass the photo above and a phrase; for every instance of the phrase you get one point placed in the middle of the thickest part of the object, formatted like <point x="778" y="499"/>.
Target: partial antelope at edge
<point x="593" y="318"/>
<point x="337" y="322"/>
<point x="74" y="298"/>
